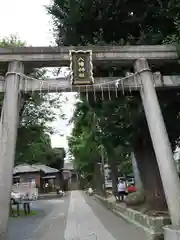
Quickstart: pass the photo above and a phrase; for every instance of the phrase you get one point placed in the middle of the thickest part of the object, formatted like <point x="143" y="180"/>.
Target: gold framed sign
<point x="81" y="67"/>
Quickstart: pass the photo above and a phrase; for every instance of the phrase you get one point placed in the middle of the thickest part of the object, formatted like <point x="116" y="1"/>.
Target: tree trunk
<point x="149" y="173"/>
<point x="114" y="173"/>
<point x="98" y="179"/>
<point x="138" y="182"/>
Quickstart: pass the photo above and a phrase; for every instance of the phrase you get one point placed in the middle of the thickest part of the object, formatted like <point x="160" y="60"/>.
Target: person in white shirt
<point x="90" y="191"/>
<point x="121" y="190"/>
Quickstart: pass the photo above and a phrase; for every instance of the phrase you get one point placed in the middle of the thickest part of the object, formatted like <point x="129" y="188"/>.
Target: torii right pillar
<point x="162" y="147"/>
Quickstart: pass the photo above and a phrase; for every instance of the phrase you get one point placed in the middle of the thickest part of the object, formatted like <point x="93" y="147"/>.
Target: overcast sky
<point x="29" y="21"/>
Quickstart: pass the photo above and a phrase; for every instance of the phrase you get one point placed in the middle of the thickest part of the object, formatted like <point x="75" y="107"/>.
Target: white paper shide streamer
<point x="131" y="80"/>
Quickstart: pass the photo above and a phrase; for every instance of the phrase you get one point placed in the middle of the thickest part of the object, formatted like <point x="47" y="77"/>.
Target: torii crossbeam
<point x="101" y="55"/>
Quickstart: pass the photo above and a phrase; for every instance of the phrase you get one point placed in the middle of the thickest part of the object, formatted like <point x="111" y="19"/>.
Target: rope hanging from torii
<point x="81" y="77"/>
<point x="117" y="84"/>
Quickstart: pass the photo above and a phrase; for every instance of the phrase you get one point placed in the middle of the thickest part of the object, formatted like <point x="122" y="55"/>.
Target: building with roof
<point x="26" y="173"/>
<point x="69" y="173"/>
<point x="38" y="173"/>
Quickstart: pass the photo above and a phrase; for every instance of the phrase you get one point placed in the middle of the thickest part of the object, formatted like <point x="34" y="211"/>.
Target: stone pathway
<point x="82" y="222"/>
<point x="75" y="217"/>
<point x="51" y="218"/>
<point x="88" y="220"/>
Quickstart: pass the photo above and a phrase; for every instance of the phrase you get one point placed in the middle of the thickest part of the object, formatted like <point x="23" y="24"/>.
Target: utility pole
<point x="103" y="172"/>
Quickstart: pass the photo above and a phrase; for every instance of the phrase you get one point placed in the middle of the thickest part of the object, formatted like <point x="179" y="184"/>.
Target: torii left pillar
<point x="8" y="135"/>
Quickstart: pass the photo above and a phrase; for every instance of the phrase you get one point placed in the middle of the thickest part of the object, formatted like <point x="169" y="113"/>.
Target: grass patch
<point x="22" y="214"/>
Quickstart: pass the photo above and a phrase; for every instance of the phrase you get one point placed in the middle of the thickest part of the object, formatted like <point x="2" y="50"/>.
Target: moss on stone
<point x="135" y="199"/>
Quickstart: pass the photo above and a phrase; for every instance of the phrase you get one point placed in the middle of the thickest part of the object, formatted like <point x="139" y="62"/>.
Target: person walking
<point x="46" y="187"/>
<point x="121" y="190"/>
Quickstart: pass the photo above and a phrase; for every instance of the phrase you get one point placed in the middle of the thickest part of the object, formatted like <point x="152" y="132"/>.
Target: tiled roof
<point x="24" y="168"/>
<point x="45" y="168"/>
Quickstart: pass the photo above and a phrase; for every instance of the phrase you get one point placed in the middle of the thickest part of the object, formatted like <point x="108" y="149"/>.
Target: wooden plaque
<point x="81" y="67"/>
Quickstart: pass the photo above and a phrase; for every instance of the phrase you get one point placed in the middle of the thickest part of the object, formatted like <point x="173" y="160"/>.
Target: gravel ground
<point x="35" y="227"/>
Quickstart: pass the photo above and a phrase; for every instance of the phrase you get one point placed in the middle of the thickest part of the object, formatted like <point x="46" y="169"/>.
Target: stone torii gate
<point x="20" y="60"/>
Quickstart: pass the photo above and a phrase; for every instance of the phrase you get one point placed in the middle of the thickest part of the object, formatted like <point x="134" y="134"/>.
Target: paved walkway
<point x="50" y="213"/>
<point x="87" y="219"/>
<point x="79" y="217"/>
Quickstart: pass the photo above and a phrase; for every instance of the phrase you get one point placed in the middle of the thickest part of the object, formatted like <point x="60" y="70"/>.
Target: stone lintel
<point x="64" y="85"/>
<point x="108" y="55"/>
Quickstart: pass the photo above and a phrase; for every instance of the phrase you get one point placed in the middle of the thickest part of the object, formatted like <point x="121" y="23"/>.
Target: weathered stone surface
<point x="153" y="226"/>
<point x="59" y="56"/>
<point x="135" y="199"/>
<point x="171" y="233"/>
<point x="64" y="85"/>
<point x="158" y="133"/>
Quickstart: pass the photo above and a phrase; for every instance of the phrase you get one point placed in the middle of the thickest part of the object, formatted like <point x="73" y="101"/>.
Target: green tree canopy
<point x="36" y="110"/>
<point x="83" y="143"/>
<point x="122" y="121"/>
<point x="124" y="22"/>
<point x="57" y="158"/>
